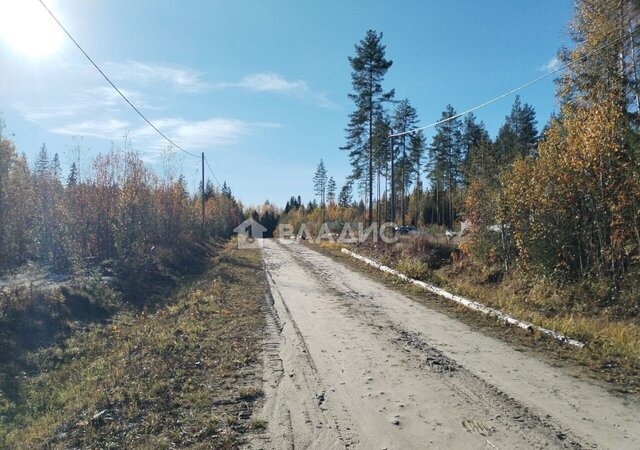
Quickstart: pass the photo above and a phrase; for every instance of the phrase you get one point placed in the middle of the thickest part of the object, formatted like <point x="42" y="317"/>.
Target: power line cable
<point x="212" y="174"/>
<point x="113" y="85"/>
<point x="512" y="91"/>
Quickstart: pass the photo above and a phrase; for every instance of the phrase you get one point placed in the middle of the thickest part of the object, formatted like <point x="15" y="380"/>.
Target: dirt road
<point x="354" y="364"/>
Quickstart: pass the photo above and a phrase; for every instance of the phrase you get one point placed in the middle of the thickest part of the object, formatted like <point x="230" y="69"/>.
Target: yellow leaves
<point x="582" y="175"/>
<point x="578" y="201"/>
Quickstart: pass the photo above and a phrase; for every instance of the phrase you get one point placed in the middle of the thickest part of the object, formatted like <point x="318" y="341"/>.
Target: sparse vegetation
<point x="85" y="260"/>
<point x="181" y="373"/>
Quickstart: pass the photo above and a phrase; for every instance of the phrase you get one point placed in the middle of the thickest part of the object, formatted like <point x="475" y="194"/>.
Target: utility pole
<point x="202" y="192"/>
<point x="393" y="187"/>
<point x="404" y="163"/>
<point x="323" y="205"/>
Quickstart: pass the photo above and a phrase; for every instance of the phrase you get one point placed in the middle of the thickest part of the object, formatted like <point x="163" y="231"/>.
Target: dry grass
<point x="183" y="375"/>
<point x="612" y="341"/>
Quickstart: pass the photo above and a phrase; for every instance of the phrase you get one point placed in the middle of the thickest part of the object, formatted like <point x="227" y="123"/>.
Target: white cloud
<point x="274" y="82"/>
<point x="266" y="82"/>
<point x="100" y="112"/>
<point x="106" y="108"/>
<point x="105" y="129"/>
<point x="84" y="102"/>
<point x="191" y="135"/>
<point x="321" y="99"/>
<point x="181" y="78"/>
<point x="45" y="113"/>
<point x="107" y="97"/>
<point x="551" y="65"/>
<point x="194" y="134"/>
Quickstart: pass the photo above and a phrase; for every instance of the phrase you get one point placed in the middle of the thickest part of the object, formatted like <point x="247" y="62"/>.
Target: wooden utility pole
<point x="202" y="191"/>
<point x="378" y="193"/>
<point x="404" y="183"/>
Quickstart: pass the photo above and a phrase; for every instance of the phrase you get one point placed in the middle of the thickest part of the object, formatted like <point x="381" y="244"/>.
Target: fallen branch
<point x="468" y="303"/>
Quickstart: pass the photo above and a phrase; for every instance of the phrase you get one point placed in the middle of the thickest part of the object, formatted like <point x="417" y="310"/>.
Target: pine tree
<point x="226" y="190"/>
<point x="345" y="197"/>
<point x="312" y="205"/>
<point x="417" y="147"/>
<point x="320" y="182"/>
<point x="331" y="191"/>
<point x="294" y="203"/>
<point x="72" y="179"/>
<point x="369" y="67"/>
<point x="518" y="137"/>
<point x="209" y="190"/>
<point x="381" y="155"/>
<point x="405" y="118"/>
<point x="320" y="185"/>
<point x="56" y="170"/>
<point x="42" y="164"/>
<point x="478" y="151"/>
<point x="523" y="118"/>
<point x="446" y="158"/>
<point x="43" y="206"/>
<point x="268" y="219"/>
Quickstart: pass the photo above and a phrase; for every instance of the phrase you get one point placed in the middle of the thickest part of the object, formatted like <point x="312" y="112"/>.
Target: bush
<point x="434" y="251"/>
<point x="415" y="269"/>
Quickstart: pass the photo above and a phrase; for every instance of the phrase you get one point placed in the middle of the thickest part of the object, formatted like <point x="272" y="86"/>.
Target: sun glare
<point x="27" y="28"/>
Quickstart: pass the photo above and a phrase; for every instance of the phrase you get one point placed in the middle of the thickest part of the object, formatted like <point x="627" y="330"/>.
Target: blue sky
<point x="261" y="86"/>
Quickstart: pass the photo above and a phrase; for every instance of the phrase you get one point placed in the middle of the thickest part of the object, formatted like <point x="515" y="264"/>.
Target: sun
<point x="27" y="28"/>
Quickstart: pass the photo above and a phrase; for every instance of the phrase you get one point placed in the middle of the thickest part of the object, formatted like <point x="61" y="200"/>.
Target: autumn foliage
<point x="118" y="216"/>
<point x="573" y="209"/>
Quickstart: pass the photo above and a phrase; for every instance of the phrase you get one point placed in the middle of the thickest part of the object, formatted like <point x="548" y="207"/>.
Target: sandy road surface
<point x="353" y="364"/>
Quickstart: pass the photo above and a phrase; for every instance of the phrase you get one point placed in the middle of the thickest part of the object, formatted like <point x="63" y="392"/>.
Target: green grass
<point x="181" y="375"/>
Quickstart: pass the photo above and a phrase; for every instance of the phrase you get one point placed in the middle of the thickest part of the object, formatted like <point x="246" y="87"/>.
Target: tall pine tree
<point x="445" y="168"/>
<point x="405" y="118"/>
<point x="369" y="67"/>
<point x="331" y="191"/>
<point x="320" y="185"/>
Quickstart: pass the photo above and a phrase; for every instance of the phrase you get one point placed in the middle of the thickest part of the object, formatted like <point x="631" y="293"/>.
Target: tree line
<point x="564" y="200"/>
<point x="460" y="151"/>
<point x="390" y="169"/>
<point x="117" y="213"/>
